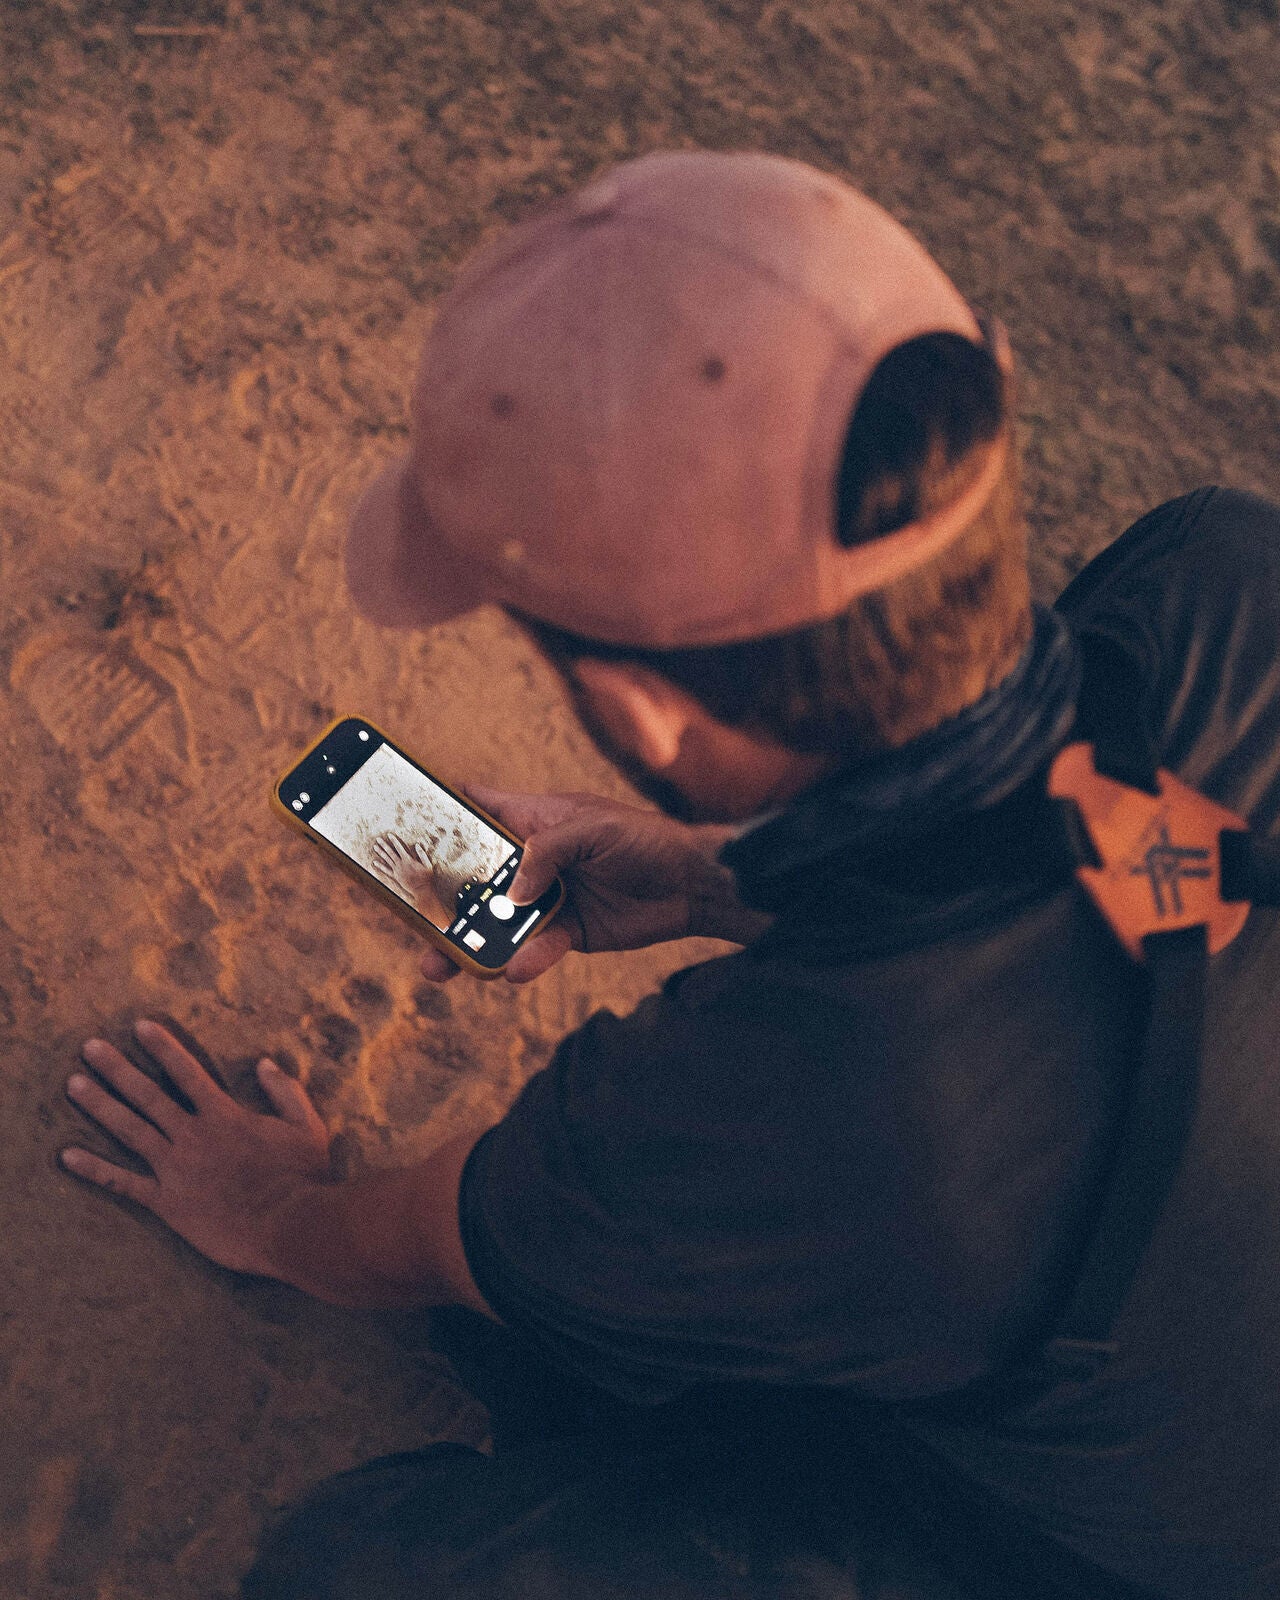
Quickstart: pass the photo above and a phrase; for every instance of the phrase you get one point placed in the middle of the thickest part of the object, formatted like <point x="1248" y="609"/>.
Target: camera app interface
<point x="414" y="837"/>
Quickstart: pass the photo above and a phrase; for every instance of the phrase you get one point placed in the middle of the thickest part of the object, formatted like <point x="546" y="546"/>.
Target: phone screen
<point x="409" y="833"/>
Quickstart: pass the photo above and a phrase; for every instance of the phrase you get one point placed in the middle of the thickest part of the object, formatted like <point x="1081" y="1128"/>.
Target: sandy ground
<point x="219" y="249"/>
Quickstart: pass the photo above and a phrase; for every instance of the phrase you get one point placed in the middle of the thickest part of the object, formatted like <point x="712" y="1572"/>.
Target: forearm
<point x="717" y="912"/>
<point x="382" y="1241"/>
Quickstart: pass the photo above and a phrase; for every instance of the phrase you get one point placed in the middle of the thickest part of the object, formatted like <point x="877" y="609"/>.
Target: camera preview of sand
<point x="222" y="232"/>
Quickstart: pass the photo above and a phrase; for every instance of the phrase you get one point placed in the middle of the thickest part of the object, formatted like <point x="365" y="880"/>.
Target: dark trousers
<point x="731" y="1494"/>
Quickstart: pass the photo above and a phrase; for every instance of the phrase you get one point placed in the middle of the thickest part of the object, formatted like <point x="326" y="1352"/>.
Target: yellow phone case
<point x="379" y="890"/>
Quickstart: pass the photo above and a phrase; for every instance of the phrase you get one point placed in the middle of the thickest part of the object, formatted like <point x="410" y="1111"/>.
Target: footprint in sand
<point x="92" y="700"/>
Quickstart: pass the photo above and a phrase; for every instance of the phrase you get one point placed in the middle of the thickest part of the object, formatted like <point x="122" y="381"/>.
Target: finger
<point x="290" y="1099"/>
<point x="179" y="1063"/>
<point x="133" y="1131"/>
<point x="497" y="802"/>
<point x="544" y="952"/>
<point x="524" y="813"/>
<point x="437" y="968"/>
<point x="133" y="1185"/>
<point x="546" y="855"/>
<point x="133" y="1085"/>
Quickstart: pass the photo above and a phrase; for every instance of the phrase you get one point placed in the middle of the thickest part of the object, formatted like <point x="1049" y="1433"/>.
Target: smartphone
<point x="435" y="858"/>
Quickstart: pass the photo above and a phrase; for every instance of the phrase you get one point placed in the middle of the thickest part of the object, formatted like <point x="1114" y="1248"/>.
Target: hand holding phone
<point x="633" y="877"/>
<point x="425" y="850"/>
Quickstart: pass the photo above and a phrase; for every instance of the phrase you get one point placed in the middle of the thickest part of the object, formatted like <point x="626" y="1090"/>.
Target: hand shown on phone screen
<point x="412" y="874"/>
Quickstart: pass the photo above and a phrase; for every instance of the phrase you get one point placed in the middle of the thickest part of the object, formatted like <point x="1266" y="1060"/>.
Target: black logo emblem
<point x="1165" y="865"/>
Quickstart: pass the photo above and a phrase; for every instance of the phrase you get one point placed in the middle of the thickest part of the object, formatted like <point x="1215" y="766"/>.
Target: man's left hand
<point x="219" y="1176"/>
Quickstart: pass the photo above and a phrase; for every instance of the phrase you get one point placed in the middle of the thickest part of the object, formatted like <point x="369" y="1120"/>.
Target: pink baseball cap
<point x="630" y="410"/>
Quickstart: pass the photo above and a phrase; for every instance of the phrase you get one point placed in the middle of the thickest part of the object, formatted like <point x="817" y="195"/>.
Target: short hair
<point x="903" y="658"/>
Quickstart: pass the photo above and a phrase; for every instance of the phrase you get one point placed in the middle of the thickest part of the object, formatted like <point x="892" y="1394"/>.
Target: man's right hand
<point x="633" y="877"/>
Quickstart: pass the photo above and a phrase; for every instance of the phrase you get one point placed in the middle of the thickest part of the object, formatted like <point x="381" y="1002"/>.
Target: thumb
<point x="290" y="1099"/>
<point x="490" y="799"/>
<point x="546" y="855"/>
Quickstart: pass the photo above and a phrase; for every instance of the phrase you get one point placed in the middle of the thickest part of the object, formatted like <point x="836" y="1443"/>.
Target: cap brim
<point x="398" y="573"/>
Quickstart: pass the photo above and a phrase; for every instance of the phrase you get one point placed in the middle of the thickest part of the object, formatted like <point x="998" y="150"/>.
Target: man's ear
<point x="641" y="712"/>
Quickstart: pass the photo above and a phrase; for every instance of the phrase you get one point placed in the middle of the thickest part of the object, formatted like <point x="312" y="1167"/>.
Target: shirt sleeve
<point x="1193" y="591"/>
<point x="671" y="1201"/>
<point x="589" y="1214"/>
<point x="638" y="1212"/>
